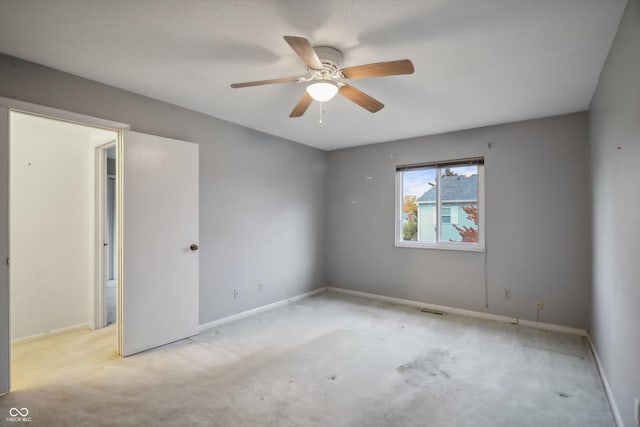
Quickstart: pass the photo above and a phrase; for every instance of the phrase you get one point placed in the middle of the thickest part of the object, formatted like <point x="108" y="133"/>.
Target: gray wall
<point x="615" y="155"/>
<point x="537" y="226"/>
<point x="261" y="210"/>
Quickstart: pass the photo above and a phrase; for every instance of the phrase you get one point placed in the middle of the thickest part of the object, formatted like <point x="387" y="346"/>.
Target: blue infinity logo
<point x="14" y="412"/>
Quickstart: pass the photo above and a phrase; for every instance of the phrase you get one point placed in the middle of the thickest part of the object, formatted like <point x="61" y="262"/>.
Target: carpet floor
<point x="329" y="360"/>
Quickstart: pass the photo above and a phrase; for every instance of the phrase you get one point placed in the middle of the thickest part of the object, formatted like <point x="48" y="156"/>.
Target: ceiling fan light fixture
<point x="322" y="91"/>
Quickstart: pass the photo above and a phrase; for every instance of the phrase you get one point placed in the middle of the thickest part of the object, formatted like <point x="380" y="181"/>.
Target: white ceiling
<point x="477" y="62"/>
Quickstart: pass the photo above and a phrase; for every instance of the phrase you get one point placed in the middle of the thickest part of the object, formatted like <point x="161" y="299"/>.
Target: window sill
<point x="458" y="247"/>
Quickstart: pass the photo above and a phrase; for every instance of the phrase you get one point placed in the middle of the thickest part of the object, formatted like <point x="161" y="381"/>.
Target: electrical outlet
<point x="637" y="410"/>
<point x="539" y="306"/>
<point x="507" y="294"/>
<point x="260" y="286"/>
<point x="235" y="294"/>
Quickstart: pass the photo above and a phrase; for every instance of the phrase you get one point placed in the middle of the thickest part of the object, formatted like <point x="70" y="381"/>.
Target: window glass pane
<point x="419" y="205"/>
<point x="459" y="199"/>
<point x="445" y="215"/>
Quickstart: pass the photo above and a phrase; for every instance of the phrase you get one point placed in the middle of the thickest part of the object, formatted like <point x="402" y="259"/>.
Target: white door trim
<point x="5" y="318"/>
<point x="6" y="106"/>
<point x="57" y="114"/>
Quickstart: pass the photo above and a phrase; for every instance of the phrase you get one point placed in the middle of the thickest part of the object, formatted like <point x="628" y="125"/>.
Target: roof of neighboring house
<point x="457" y="187"/>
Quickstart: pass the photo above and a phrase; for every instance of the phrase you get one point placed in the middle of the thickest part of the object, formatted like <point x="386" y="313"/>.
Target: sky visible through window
<point x="417" y="182"/>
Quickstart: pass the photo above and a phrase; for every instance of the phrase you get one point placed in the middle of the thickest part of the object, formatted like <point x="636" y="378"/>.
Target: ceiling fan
<point x="327" y="78"/>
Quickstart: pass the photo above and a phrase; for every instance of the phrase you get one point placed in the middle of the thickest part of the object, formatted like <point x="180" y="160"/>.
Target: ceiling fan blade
<point x="301" y="106"/>
<point x="265" y="82"/>
<point x="379" y="69"/>
<point x="362" y="99"/>
<point x="304" y="50"/>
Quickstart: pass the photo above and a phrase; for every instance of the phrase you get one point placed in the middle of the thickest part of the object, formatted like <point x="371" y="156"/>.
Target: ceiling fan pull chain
<point x="321" y="111"/>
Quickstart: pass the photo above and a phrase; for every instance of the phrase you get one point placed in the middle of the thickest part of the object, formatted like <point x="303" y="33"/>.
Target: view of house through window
<point x="439" y="204"/>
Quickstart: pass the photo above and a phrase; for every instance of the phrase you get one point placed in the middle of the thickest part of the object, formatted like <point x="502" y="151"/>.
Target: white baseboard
<point x="605" y="383"/>
<point x="553" y="327"/>
<point x="50" y="334"/>
<point x="411" y="303"/>
<point x="465" y="312"/>
<point x="257" y="310"/>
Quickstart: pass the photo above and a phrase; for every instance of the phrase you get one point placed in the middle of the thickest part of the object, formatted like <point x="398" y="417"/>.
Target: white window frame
<point x="451" y="246"/>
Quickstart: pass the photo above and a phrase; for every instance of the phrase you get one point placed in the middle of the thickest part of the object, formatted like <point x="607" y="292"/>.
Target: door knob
<point x="194" y="247"/>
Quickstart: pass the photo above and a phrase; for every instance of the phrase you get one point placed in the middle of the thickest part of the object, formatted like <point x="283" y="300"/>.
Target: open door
<point x="159" y="275"/>
<point x="5" y="345"/>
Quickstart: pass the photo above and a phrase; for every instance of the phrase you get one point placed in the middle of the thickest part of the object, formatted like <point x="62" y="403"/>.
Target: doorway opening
<point x="111" y="236"/>
<point x="106" y="210"/>
<point x="63" y="228"/>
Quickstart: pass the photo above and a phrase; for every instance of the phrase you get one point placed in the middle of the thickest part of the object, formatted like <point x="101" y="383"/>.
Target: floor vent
<point x="432" y="311"/>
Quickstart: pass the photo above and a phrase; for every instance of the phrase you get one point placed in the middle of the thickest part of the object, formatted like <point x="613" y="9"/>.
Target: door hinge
<point x="7" y="261"/>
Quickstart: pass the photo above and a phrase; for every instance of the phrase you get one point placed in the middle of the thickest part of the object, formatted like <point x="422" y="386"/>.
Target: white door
<point x="160" y="224"/>
<point x="5" y="346"/>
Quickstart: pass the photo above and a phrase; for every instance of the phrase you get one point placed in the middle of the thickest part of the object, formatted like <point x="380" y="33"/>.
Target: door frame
<point x="7" y="105"/>
<point x="102" y="229"/>
<point x="5" y="318"/>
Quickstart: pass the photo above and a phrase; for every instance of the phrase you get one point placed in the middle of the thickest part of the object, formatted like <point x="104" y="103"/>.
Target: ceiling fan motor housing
<point x="331" y="59"/>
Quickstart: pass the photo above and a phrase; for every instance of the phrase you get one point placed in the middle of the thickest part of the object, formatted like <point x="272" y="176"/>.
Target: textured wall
<point x="52" y="208"/>
<point x="615" y="156"/>
<point x="537" y="222"/>
<point x="261" y="210"/>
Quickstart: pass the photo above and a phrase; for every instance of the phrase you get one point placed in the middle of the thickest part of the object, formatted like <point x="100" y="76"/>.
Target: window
<point x="446" y="215"/>
<point x="441" y="205"/>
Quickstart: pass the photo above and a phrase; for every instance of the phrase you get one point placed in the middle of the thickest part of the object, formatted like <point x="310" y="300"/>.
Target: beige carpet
<point x="329" y="360"/>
